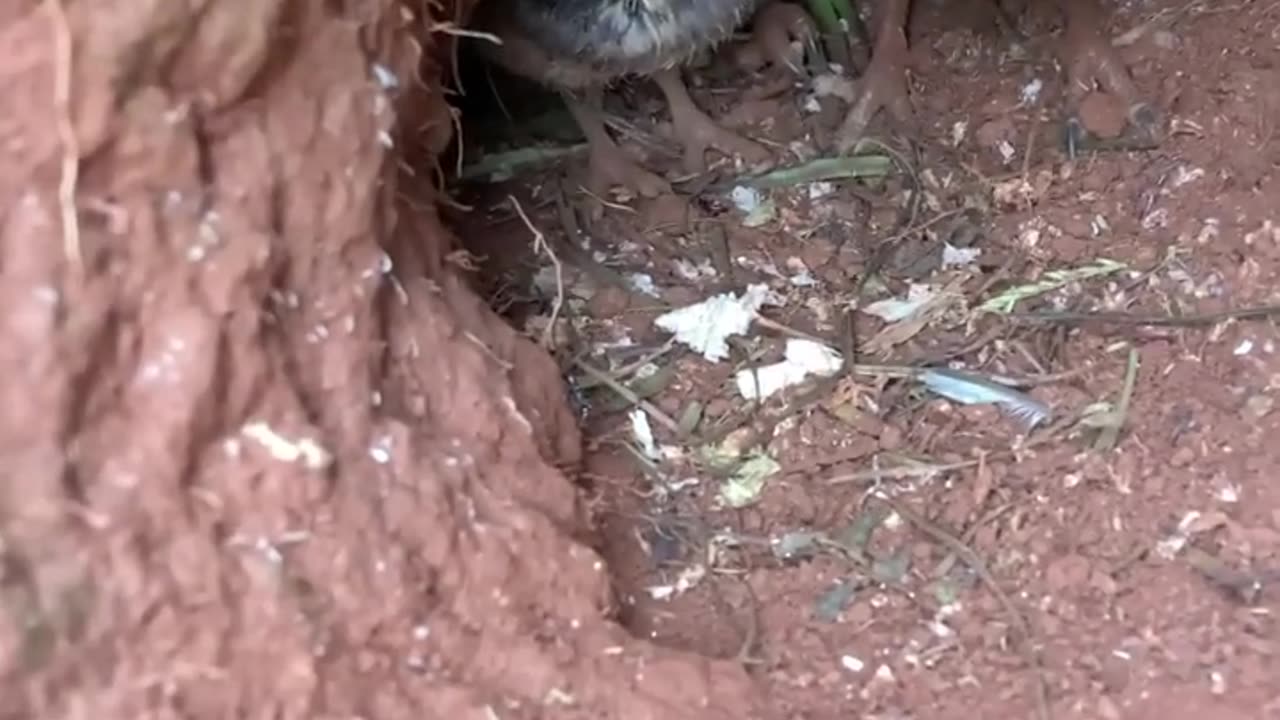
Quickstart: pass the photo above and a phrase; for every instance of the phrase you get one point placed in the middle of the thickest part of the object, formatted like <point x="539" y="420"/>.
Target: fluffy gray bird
<point x="580" y="46"/>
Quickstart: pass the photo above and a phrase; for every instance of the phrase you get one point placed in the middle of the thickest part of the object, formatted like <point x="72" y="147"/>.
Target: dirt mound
<point x="263" y="452"/>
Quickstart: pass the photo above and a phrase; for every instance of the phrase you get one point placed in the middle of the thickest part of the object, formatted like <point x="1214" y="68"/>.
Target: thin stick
<point x="456" y="115"/>
<point x="540" y="245"/>
<point x="493" y="87"/>
<point x="67" y="132"/>
<point x="1031" y="141"/>
<point x="631" y="367"/>
<point x="1107" y="438"/>
<point x="607" y="203"/>
<point x="450" y="28"/>
<point x="626" y="394"/>
<point x="900" y="472"/>
<point x="787" y="330"/>
<point x="1121" y="318"/>
<point x="750" y="636"/>
<point x="876" y="474"/>
<point x="913" y="229"/>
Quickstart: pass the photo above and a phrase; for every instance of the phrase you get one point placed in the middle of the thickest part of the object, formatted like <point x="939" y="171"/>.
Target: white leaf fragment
<point x="953" y="256"/>
<point x="802" y="359"/>
<point x="705" y="326"/>
<point x="894" y="309"/>
<point x="643" y="433"/>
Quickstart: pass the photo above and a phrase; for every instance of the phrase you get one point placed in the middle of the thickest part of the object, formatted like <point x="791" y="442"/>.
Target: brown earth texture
<point x="276" y="443"/>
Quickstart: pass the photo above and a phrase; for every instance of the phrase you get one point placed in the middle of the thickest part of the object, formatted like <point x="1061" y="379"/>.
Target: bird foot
<point x="697" y="132"/>
<point x="882" y="87"/>
<point x="608" y="167"/>
<point x="780" y="34"/>
<point x="1091" y="62"/>
<point x="607" y="164"/>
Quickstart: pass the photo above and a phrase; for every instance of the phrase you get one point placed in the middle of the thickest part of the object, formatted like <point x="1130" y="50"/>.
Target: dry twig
<point x="627" y="394"/>
<point x="540" y="245"/>
<point x="64" y="64"/>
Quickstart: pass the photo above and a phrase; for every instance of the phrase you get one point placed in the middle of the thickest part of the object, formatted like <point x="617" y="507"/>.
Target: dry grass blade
<point x="540" y="245"/>
<point x="654" y="411"/>
<point x="1107" y="438"/>
<point x="1120" y="318"/>
<point x="64" y="65"/>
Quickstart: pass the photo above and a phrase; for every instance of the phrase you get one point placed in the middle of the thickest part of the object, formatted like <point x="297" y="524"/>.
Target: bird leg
<point x="884" y="84"/>
<point x="697" y="132"/>
<point x="607" y="164"/>
<point x="775" y="30"/>
<point x="1091" y="60"/>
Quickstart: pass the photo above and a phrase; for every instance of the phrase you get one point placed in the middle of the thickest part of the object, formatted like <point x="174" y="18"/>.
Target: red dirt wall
<point x="261" y="454"/>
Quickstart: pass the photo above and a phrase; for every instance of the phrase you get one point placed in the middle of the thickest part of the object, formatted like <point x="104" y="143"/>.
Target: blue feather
<point x="971" y="389"/>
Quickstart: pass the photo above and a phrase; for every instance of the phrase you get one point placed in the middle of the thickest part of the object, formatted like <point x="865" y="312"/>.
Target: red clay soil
<point x="263" y="454"/>
<point x="1120" y="624"/>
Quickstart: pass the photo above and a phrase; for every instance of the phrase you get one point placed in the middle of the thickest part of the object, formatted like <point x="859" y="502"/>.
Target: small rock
<point x="1072" y="248"/>
<point x="1257" y="406"/>
<point x="1103" y="583"/>
<point x="1182" y="457"/>
<point x="1099" y="177"/>
<point x="639" y="325"/>
<point x="717" y="407"/>
<point x="859" y="613"/>
<point x="817" y="252"/>
<point x="860" y="420"/>
<point x="922" y="552"/>
<point x="1164" y="40"/>
<point x="1074" y="225"/>
<point x="669" y="403"/>
<point x="890" y="437"/>
<point x="1050" y="625"/>
<point x="671" y="212"/>
<point x="1103" y="115"/>
<point x="1068" y="571"/>
<point x="1107" y="709"/>
<point x="609" y="302"/>
<point x="1095" y="468"/>
<point x="992" y="132"/>
<point x="883" y="217"/>
<point x="833" y="275"/>
<point x="680" y="296"/>
<point x="1114" y="673"/>
<point x="979" y="414"/>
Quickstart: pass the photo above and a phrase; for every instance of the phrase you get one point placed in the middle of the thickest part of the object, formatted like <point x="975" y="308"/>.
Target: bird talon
<point x="1073" y="136"/>
<point x="697" y="132"/>
<point x="782" y="33"/>
<point x="1091" y="62"/>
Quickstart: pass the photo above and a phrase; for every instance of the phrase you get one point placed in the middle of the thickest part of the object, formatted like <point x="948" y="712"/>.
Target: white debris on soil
<point x="643" y="433"/>
<point x="892" y="310"/>
<point x="803" y="358"/>
<point x="706" y="326"/>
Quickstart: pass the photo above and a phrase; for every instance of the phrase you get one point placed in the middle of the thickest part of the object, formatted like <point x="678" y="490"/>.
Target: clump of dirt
<point x="262" y="453"/>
